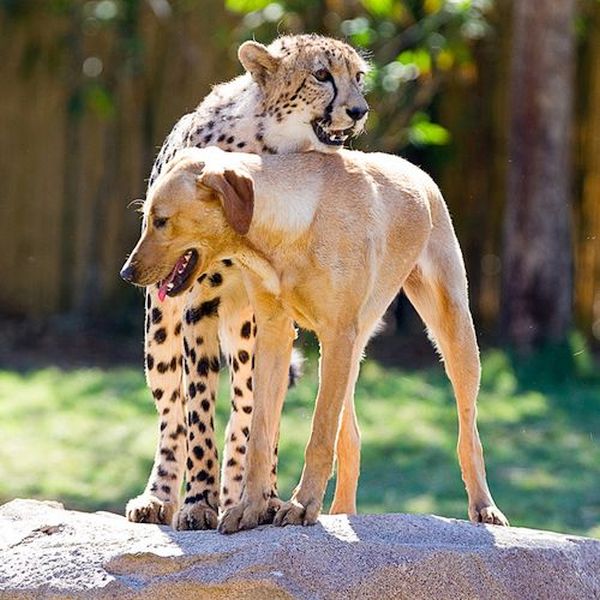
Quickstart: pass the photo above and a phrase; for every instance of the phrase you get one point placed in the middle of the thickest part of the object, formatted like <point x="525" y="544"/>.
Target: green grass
<point x="86" y="437"/>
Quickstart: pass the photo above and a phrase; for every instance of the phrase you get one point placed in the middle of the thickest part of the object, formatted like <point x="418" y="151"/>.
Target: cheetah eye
<point x="360" y="78"/>
<point x="159" y="222"/>
<point x="322" y="75"/>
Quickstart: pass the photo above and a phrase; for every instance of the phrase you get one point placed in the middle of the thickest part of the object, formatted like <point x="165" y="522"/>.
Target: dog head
<point x="197" y="207"/>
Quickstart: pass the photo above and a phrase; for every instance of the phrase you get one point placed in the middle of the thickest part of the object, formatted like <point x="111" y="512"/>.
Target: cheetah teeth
<point x="333" y="138"/>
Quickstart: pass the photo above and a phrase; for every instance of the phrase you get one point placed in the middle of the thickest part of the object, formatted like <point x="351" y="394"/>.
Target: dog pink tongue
<point x="162" y="291"/>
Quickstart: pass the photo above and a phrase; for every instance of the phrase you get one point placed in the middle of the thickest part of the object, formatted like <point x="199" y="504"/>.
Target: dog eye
<point x="322" y="75"/>
<point x="159" y="222"/>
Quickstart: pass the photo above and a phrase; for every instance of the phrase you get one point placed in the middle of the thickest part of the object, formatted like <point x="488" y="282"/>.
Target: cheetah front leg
<point x="238" y="336"/>
<point x="237" y="342"/>
<point x="201" y="369"/>
<point x="237" y="333"/>
<point x="160" y="499"/>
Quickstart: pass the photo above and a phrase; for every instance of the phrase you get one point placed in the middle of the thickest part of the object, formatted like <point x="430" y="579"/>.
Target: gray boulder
<point x="49" y="552"/>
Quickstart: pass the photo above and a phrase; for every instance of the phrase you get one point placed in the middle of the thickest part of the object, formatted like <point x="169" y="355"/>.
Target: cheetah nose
<point x="128" y="273"/>
<point x="356" y="112"/>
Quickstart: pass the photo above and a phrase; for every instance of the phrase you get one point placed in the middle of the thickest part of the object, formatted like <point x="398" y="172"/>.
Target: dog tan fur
<point x="301" y="93"/>
<point x="328" y="245"/>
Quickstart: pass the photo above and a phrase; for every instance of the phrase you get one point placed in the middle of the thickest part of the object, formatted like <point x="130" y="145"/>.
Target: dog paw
<point x="246" y="515"/>
<point x="489" y="514"/>
<point x="295" y="513"/>
<point x="273" y="506"/>
<point x="195" y="517"/>
<point x="147" y="508"/>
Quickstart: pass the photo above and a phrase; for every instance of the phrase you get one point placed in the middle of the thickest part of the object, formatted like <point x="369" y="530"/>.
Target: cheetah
<point x="301" y="93"/>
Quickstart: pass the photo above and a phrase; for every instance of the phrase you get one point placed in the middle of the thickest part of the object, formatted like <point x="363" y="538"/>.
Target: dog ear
<point x="236" y="190"/>
<point x="257" y="60"/>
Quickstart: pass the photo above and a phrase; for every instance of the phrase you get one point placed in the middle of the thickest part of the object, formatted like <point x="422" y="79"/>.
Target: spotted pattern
<point x="201" y="362"/>
<point x="186" y="336"/>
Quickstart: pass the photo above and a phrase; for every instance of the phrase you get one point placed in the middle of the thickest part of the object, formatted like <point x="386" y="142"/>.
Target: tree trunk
<point x="537" y="255"/>
<point x="587" y="263"/>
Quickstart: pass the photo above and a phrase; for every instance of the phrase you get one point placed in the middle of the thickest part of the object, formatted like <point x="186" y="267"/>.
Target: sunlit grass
<point x="86" y="437"/>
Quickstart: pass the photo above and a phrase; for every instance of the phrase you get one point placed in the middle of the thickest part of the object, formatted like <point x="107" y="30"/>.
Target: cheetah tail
<point x="295" y="367"/>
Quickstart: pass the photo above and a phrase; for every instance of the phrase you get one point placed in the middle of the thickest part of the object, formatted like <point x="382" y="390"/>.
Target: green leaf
<point x="246" y="6"/>
<point x="422" y="132"/>
<point x="420" y="58"/>
<point x="100" y="101"/>
<point x="381" y="8"/>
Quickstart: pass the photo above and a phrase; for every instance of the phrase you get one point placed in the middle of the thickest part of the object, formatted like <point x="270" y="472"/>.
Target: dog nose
<point x="128" y="273"/>
<point x="356" y="112"/>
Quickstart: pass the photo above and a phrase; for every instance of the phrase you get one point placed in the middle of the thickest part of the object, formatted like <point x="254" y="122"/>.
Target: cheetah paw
<point x="489" y="514"/>
<point x="147" y="508"/>
<point x="295" y="513"/>
<point x="246" y="515"/>
<point x="194" y="517"/>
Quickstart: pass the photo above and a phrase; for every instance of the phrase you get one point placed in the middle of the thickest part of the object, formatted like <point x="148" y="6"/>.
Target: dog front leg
<point x="273" y="353"/>
<point x="338" y="371"/>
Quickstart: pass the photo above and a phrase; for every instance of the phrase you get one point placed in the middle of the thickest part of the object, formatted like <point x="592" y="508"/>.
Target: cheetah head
<point x="312" y="89"/>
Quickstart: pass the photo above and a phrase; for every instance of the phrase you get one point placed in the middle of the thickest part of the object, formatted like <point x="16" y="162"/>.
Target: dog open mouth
<point x="178" y="279"/>
<point x="334" y="137"/>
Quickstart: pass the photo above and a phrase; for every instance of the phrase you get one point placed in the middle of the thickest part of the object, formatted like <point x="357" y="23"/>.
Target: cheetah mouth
<point x="178" y="279"/>
<point x="334" y="137"/>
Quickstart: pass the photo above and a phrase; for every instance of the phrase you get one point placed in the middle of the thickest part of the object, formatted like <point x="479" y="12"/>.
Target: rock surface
<point x="48" y="552"/>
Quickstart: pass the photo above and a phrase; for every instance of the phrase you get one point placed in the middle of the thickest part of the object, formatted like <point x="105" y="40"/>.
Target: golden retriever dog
<point x="326" y="241"/>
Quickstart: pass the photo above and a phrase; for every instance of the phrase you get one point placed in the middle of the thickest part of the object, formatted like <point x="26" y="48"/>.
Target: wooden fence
<point x="84" y="107"/>
<point x="76" y="148"/>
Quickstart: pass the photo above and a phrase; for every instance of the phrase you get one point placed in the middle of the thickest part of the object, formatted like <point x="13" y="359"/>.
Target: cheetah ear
<point x="257" y="60"/>
<point x="236" y="191"/>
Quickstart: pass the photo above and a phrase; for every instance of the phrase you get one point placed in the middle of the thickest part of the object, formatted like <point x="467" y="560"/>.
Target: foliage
<point x="413" y="46"/>
<point x="86" y="437"/>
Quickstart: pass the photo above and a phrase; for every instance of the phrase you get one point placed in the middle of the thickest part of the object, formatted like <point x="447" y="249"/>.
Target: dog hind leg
<point x="437" y="288"/>
<point x="347" y="452"/>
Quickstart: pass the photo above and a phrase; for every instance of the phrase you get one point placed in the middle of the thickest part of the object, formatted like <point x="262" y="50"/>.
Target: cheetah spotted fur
<point x="299" y="94"/>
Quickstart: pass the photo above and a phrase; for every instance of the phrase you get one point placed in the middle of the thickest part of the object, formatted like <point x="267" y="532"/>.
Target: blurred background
<point x="499" y="100"/>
